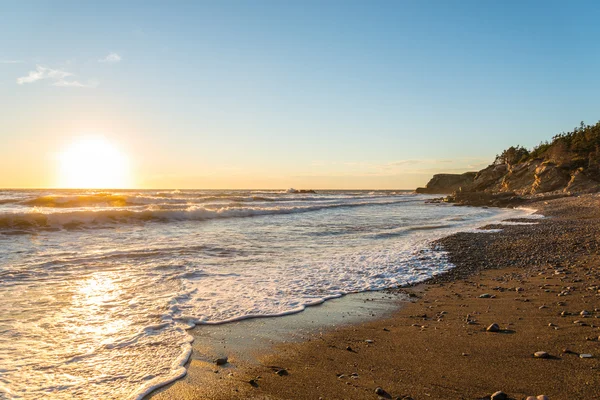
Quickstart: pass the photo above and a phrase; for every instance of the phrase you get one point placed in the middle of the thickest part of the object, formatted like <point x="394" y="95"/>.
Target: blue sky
<point x="324" y="94"/>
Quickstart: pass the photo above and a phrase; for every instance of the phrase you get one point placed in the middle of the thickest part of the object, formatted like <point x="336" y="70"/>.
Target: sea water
<point x="98" y="288"/>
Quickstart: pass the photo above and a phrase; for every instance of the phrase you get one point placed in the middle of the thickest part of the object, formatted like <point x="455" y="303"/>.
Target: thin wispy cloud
<point x="112" y="58"/>
<point x="11" y="62"/>
<point x="58" y="77"/>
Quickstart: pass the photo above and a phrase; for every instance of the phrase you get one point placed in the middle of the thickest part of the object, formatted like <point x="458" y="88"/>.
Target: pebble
<point x="380" y="392"/>
<point x="369" y="341"/>
<point x="493" y="328"/>
<point x="221" y="361"/>
<point x="485" y="296"/>
<point x="499" y="395"/>
<point x="281" y="372"/>
<point x="542" y="397"/>
<point x="584" y="313"/>
<point x="585" y="355"/>
<point x="541" y="354"/>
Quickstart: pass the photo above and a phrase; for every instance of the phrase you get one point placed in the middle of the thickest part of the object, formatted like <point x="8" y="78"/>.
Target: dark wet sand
<point x="436" y="347"/>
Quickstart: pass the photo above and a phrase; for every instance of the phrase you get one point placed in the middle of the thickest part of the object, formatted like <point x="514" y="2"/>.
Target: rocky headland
<point x="568" y="165"/>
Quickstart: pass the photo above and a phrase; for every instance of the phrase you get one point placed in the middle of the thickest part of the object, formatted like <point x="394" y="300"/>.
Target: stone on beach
<point x="541" y="354"/>
<point x="493" y="328"/>
<point x="499" y="395"/>
<point x="221" y="361"/>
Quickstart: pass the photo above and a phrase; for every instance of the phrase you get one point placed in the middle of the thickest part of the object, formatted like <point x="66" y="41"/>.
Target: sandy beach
<point x="538" y="282"/>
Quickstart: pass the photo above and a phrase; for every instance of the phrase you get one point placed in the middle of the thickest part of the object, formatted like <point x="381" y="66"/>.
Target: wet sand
<point x="534" y="281"/>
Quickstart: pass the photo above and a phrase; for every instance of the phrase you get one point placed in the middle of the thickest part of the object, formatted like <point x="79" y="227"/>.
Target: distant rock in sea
<point x="294" y="191"/>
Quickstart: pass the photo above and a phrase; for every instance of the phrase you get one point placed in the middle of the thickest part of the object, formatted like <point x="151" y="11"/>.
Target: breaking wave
<point x="37" y="219"/>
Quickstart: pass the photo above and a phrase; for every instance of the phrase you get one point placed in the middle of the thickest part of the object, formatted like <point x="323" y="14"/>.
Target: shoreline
<point x="473" y="270"/>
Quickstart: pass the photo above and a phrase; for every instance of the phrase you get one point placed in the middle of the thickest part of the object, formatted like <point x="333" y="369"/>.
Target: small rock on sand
<point x="541" y="354"/>
<point x="493" y="328"/>
<point x="380" y="392"/>
<point x="485" y="296"/>
<point x="585" y="355"/>
<point x="221" y="361"/>
<point x="542" y="397"/>
<point x="499" y="395"/>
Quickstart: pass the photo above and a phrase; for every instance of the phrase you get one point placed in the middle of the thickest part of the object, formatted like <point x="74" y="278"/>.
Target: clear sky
<point x="278" y="94"/>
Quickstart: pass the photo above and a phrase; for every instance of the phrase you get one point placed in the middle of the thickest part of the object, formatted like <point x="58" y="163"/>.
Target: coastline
<point x="418" y="350"/>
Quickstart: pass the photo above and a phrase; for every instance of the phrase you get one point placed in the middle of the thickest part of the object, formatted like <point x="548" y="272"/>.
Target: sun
<point x="93" y="163"/>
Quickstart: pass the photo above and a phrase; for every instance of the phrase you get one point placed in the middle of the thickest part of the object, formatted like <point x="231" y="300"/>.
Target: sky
<point x="278" y="94"/>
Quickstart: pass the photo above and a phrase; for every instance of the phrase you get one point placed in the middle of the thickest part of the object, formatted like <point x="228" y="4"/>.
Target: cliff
<point x="569" y="164"/>
<point x="447" y="183"/>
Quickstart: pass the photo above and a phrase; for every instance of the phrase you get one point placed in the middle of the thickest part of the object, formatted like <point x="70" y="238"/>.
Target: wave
<point x="115" y="200"/>
<point x="97" y="199"/>
<point x="38" y="220"/>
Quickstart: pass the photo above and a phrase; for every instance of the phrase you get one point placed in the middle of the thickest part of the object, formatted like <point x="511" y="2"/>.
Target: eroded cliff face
<point x="524" y="179"/>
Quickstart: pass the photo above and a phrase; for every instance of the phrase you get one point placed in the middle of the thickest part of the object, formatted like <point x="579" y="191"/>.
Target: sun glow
<point x="93" y="163"/>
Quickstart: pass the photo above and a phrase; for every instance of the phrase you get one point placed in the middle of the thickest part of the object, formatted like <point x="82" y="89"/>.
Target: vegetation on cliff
<point x="579" y="148"/>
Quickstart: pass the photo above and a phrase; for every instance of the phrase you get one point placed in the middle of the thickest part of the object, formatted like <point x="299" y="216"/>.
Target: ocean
<point x="99" y="288"/>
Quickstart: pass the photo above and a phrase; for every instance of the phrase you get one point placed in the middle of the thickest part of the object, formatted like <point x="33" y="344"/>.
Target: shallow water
<point x="97" y="290"/>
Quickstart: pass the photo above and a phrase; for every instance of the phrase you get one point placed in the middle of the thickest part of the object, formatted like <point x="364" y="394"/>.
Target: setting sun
<point x="93" y="162"/>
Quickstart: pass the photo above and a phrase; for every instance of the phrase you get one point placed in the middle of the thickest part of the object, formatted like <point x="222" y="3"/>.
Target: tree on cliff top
<point x="512" y="155"/>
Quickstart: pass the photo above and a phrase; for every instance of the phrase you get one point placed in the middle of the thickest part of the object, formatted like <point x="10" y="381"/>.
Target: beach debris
<point x="541" y="354"/>
<point x="493" y="328"/>
<point x="499" y="395"/>
<point x="221" y="361"/>
<point x="585" y="355"/>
